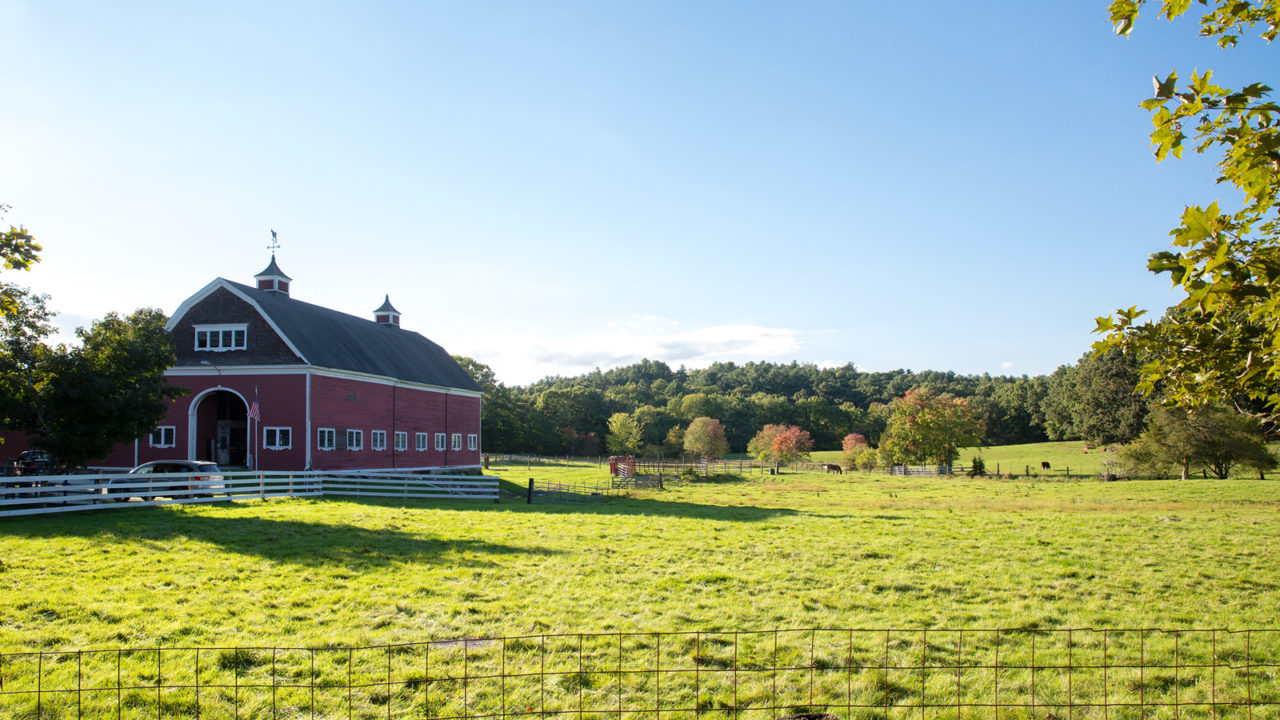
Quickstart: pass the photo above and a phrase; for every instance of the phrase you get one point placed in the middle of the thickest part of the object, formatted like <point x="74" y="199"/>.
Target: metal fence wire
<point x="1059" y="674"/>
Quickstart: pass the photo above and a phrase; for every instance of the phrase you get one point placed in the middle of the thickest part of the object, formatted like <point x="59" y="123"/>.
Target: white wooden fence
<point x="40" y="494"/>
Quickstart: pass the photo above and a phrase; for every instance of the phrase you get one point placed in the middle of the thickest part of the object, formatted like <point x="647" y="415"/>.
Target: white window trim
<point x="473" y="441"/>
<point x="441" y="442"/>
<point x="333" y="439"/>
<point x="359" y="443"/>
<point x="276" y="429"/>
<point x="377" y="440"/>
<point x="400" y="441"/>
<point x="242" y="327"/>
<point x="421" y="442"/>
<point x="173" y="435"/>
<point x="457" y="442"/>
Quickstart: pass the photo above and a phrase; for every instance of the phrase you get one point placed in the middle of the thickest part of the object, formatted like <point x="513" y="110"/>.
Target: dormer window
<point x="221" y="338"/>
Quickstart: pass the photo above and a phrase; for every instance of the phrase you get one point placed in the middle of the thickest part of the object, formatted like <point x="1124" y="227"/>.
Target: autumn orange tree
<point x="928" y="427"/>
<point x="852" y="446"/>
<point x="780" y="444"/>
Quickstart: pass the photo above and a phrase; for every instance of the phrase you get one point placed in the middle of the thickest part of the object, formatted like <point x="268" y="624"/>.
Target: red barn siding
<point x="281" y="398"/>
<point x="338" y="403"/>
<point x="350" y="404"/>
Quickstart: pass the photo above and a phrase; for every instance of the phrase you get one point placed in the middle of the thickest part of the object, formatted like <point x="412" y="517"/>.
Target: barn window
<point x="355" y="439"/>
<point x="163" y="436"/>
<point x="440" y="441"/>
<point x="221" y="338"/>
<point x="378" y="439"/>
<point x="277" y="438"/>
<point x="421" y="441"/>
<point x="473" y="442"/>
<point x="326" y="438"/>
<point x="402" y="441"/>
<point x="457" y="441"/>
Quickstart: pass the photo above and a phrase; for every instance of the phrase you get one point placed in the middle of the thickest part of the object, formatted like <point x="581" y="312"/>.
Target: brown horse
<point x="832" y="468"/>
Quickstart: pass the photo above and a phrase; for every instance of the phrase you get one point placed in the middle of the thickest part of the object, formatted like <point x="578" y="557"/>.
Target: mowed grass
<point x="1074" y="455"/>
<point x="1071" y="456"/>
<point x="756" y="552"/>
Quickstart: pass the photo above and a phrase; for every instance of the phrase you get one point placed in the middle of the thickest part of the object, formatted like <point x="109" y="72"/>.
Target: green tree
<point x="626" y="436"/>
<point x="697" y="405"/>
<point x="78" y="402"/>
<point x="1097" y="400"/>
<point x="18" y="251"/>
<point x="1212" y="437"/>
<point x="508" y="421"/>
<point x="760" y="446"/>
<point x="673" y="443"/>
<point x="926" y="426"/>
<point x="704" y="438"/>
<point x="1221" y="342"/>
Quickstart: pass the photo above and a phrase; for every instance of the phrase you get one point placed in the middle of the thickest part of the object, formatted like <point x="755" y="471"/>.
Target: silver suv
<point x="210" y="479"/>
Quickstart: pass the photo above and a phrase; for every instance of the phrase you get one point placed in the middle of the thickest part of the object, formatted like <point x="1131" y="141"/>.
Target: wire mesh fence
<point x="1060" y="674"/>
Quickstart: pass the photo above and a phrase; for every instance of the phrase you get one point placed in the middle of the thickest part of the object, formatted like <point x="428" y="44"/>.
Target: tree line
<point x="652" y="404"/>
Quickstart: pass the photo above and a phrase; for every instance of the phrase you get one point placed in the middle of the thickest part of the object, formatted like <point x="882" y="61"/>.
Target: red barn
<point x="280" y="384"/>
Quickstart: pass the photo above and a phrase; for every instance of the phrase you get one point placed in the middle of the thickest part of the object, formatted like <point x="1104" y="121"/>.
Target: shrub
<point x="978" y="468"/>
<point x="867" y="460"/>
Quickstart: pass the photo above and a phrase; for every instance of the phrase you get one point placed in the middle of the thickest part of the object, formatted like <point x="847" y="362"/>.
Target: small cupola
<point x="387" y="314"/>
<point x="273" y="278"/>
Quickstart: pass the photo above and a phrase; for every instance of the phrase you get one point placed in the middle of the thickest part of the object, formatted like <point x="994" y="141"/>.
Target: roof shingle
<point x="331" y="339"/>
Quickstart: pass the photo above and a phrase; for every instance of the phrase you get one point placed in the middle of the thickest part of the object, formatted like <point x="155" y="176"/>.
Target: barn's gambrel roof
<point x="326" y="338"/>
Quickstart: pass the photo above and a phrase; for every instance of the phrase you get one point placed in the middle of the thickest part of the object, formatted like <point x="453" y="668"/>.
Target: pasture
<point x="724" y="554"/>
<point x="798" y="550"/>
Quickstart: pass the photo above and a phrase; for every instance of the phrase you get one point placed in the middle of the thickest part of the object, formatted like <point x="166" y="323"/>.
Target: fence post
<point x="529" y="500"/>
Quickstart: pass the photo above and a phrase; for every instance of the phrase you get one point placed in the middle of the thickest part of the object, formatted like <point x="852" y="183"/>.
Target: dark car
<point x="210" y="477"/>
<point x="33" y="462"/>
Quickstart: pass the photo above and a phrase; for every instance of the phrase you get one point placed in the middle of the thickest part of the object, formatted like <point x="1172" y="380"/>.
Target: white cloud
<point x="521" y="360"/>
<point x="1006" y="365"/>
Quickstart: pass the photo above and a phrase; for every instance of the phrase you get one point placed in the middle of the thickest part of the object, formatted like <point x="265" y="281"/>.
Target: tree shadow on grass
<point x="614" y="505"/>
<point x="296" y="542"/>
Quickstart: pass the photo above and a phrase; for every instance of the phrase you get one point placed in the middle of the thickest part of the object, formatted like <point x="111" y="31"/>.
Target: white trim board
<point x="232" y="370"/>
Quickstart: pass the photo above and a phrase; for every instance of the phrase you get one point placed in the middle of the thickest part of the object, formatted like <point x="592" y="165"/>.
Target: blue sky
<point x="551" y="187"/>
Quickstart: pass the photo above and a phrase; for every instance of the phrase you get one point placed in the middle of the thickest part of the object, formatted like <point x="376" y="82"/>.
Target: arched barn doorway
<point x="219" y="422"/>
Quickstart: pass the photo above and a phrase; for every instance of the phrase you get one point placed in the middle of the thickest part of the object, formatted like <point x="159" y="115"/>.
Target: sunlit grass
<point x="799" y="550"/>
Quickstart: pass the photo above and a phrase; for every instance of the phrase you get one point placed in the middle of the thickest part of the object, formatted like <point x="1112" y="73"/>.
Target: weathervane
<point x="275" y="245"/>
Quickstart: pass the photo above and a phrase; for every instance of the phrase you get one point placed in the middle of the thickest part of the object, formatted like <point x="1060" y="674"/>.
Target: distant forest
<point x="1094" y="400"/>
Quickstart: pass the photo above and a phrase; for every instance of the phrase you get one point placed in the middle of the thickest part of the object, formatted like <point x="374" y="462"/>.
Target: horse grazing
<point x="1044" y="465"/>
<point x="832" y="468"/>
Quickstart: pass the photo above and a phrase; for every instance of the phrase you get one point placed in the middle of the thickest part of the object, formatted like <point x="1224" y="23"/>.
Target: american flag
<point x="255" y="412"/>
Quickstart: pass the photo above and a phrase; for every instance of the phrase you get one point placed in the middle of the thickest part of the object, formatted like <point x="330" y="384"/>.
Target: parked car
<point x="209" y="479"/>
<point x="33" y="462"/>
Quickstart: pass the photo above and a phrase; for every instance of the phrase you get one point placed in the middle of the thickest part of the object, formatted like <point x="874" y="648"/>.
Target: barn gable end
<point x="221" y="307"/>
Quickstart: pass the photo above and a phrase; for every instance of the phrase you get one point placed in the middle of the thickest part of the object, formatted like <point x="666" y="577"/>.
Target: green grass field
<point x="1070" y="456"/>
<point x="737" y="553"/>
